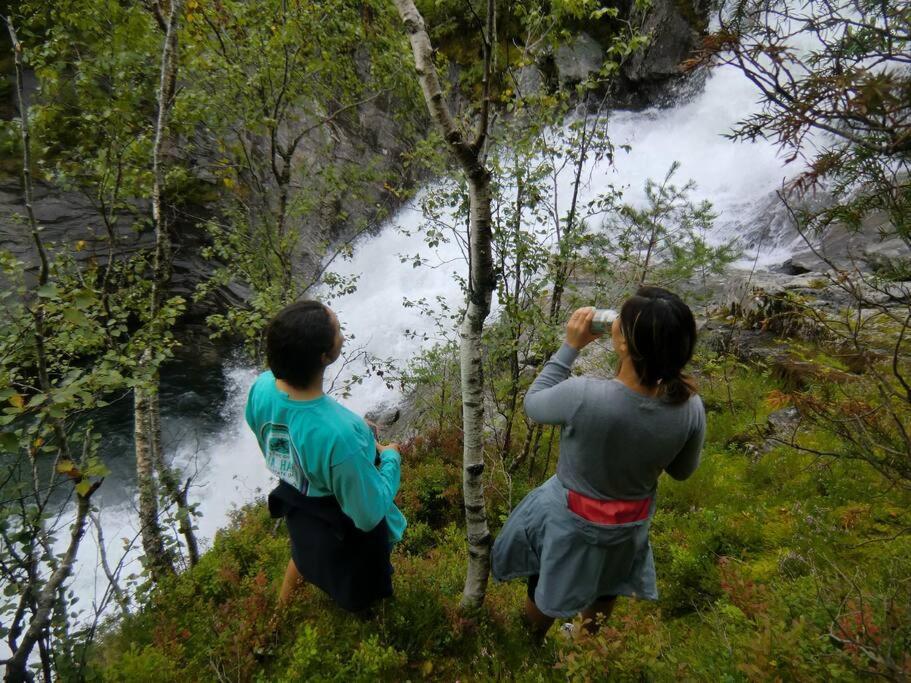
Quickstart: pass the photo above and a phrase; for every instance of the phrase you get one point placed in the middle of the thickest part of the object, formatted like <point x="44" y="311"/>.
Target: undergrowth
<point x="772" y="565"/>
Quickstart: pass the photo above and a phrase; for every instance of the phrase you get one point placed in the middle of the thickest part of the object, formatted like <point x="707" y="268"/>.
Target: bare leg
<point x="290" y="583"/>
<point x="598" y="613"/>
<point x="538" y="622"/>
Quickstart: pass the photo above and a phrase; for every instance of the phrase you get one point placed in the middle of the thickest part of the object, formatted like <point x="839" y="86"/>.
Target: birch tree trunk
<point x="158" y="560"/>
<point x="481" y="282"/>
<point x="170" y="481"/>
<point x="147" y="423"/>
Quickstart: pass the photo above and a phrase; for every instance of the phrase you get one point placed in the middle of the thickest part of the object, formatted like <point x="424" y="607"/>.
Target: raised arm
<point x="550" y="399"/>
<point x="364" y="491"/>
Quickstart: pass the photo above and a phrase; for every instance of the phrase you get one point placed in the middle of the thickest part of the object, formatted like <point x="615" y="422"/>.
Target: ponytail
<point x="660" y="332"/>
<point x="678" y="389"/>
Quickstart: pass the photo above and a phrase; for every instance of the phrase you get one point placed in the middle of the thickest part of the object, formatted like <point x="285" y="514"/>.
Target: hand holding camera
<point x="587" y="324"/>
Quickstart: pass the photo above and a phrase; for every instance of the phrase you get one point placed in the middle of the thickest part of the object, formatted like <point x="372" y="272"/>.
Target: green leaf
<point x="611" y="12"/>
<point x="9" y="442"/>
<point x="66" y="466"/>
<point x="83" y="487"/>
<point x="83" y="299"/>
<point x="49" y="291"/>
<point x="36" y="400"/>
<point x="73" y="315"/>
<point x="97" y="469"/>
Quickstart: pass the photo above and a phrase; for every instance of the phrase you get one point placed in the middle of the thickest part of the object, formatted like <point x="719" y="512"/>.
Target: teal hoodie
<point x="323" y="449"/>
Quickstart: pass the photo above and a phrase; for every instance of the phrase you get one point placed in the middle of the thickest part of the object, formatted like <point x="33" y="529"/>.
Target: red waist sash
<point x="608" y="511"/>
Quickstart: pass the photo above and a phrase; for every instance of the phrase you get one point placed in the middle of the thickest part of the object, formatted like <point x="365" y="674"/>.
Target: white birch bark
<point x="169" y="479"/>
<point x="157" y="560"/>
<point x="481" y="282"/>
<point x="472" y="377"/>
<point x="146" y="406"/>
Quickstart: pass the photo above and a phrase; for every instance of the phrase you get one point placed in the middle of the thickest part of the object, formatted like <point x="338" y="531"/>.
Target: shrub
<point x="688" y="579"/>
<point x="142" y="665"/>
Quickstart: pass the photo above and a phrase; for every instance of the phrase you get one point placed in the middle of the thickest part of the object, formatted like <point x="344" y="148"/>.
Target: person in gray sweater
<point x="581" y="538"/>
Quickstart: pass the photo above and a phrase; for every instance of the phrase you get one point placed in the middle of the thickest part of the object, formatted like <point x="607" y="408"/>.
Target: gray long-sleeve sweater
<point x="615" y="442"/>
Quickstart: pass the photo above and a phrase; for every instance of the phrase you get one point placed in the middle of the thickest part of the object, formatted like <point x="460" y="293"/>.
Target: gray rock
<point x="743" y="292"/>
<point x="529" y="81"/>
<point x="886" y="293"/>
<point x="782" y="423"/>
<point x="575" y="61"/>
<point x="673" y="27"/>
<point x="70" y="224"/>
<point x="757" y="441"/>
<point x="892" y="256"/>
<point x="807" y="281"/>
<point x="384" y="415"/>
<point x="64" y="218"/>
<point x="804" y="261"/>
<point x="853" y="249"/>
<point x="775" y="302"/>
<point x="793" y="266"/>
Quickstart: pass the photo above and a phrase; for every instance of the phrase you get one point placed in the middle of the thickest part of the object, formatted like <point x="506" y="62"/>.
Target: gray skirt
<point x="577" y="561"/>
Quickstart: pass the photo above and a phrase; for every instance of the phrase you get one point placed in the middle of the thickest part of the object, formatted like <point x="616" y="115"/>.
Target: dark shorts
<point x="351" y="565"/>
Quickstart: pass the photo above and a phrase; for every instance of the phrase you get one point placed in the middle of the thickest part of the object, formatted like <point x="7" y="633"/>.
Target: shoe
<point x="568" y="630"/>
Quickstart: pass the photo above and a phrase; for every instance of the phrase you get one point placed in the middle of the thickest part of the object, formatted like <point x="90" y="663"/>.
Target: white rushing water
<point x="736" y="178"/>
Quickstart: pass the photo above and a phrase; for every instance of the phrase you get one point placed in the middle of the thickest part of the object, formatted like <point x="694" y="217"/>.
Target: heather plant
<point x="771" y="562"/>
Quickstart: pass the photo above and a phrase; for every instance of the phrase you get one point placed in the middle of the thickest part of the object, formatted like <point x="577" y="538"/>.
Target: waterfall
<point x="738" y="178"/>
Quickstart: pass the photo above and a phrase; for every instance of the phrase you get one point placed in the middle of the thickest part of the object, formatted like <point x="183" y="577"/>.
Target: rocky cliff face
<point x="68" y="218"/>
<point x="370" y="137"/>
<point x="673" y="27"/>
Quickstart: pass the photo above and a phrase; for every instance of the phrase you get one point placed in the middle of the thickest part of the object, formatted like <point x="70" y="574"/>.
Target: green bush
<point x="419" y="538"/>
<point x="688" y="579"/>
<point x="757" y="562"/>
<point x="142" y="665"/>
<point x="372" y="661"/>
<point x="434" y="494"/>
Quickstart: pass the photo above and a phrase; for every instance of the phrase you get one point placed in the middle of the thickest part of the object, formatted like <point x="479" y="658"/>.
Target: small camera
<point x="604" y="318"/>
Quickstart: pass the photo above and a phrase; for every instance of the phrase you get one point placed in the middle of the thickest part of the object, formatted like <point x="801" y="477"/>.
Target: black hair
<point x="296" y="339"/>
<point x="660" y="332"/>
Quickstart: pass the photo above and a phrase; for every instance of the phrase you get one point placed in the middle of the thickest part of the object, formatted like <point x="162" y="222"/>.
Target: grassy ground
<point x="772" y="565"/>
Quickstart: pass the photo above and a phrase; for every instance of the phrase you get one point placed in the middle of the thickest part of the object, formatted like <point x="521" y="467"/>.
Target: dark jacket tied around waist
<point x="351" y="565"/>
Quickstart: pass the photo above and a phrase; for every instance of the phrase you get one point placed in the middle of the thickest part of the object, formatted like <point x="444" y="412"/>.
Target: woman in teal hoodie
<point x="336" y="482"/>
